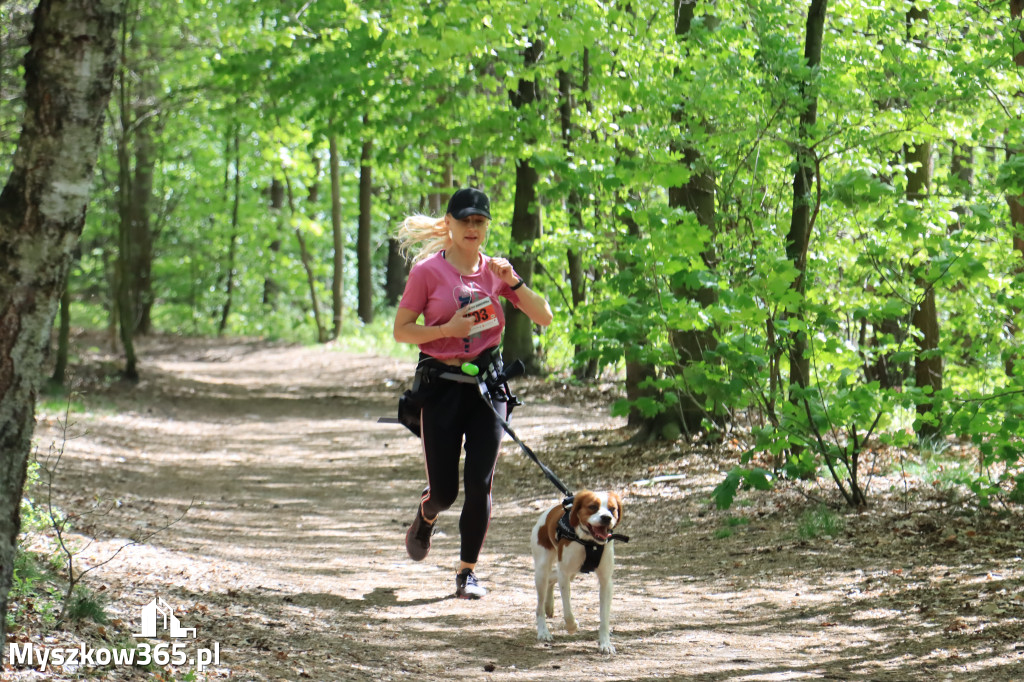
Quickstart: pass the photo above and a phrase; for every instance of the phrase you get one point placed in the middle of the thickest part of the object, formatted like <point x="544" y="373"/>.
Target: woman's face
<point x="470" y="233"/>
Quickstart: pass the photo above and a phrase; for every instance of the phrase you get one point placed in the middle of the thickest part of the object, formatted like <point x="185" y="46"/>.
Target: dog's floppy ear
<point x="577" y="505"/>
<point x="615" y="502"/>
<point x="574" y="511"/>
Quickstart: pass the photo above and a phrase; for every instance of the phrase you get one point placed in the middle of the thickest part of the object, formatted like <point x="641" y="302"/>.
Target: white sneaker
<point x="467" y="586"/>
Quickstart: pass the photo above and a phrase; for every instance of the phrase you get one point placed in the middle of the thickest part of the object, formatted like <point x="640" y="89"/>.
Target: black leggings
<point x="454" y="411"/>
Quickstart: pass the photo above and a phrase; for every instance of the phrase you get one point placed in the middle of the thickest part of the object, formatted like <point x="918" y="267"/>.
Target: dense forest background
<point x="799" y="218"/>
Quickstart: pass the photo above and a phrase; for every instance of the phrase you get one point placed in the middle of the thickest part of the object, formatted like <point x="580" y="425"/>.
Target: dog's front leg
<point x="543" y="570"/>
<point x="543" y="583"/>
<point x="604" y="577"/>
<point x="564" y="582"/>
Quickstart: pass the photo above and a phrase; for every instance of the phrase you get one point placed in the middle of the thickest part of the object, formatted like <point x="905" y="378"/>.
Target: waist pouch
<point x="428" y="382"/>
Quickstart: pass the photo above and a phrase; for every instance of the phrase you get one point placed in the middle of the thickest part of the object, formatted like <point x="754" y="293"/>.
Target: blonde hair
<point x="421" y="236"/>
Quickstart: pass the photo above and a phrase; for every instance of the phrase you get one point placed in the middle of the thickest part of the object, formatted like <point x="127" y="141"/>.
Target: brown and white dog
<point x="558" y="555"/>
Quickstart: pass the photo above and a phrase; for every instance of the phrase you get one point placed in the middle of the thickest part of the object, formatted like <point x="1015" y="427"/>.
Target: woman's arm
<point x="407" y="330"/>
<point x="535" y="306"/>
<point x="530" y="302"/>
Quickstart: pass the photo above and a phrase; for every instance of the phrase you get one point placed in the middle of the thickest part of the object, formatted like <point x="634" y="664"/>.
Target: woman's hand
<point x="503" y="269"/>
<point x="458" y="326"/>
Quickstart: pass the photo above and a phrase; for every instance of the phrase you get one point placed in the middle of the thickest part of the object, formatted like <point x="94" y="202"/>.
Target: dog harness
<point x="595" y="550"/>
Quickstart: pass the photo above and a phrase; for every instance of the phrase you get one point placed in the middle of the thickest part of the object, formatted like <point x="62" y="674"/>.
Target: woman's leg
<point x="483" y="440"/>
<point x="441" y="430"/>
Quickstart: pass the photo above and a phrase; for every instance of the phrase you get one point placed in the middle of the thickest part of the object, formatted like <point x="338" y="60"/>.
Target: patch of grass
<point x="37" y="593"/>
<point x="59" y="403"/>
<point x="933" y="446"/>
<point x="730" y="524"/>
<point x="34" y="593"/>
<point x="820" y="522"/>
<point x="943" y="473"/>
<point x="87" y="605"/>
<point x="27" y="575"/>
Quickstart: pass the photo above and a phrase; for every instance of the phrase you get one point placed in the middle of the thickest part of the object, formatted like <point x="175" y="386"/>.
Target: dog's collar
<point x="595" y="550"/>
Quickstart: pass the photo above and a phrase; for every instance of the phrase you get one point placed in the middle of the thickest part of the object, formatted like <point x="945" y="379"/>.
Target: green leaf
<point x="725" y="492"/>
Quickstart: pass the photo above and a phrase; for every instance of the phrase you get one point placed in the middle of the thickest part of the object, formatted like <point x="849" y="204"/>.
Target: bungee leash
<point x="517" y="368"/>
<point x="594" y="550"/>
<point x="499" y="378"/>
<point x="471" y="375"/>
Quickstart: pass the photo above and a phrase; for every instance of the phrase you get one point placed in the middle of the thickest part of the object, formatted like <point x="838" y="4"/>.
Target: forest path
<point x="291" y="560"/>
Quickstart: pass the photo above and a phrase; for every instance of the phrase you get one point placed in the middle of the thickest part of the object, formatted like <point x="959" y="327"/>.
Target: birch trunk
<point x="69" y="72"/>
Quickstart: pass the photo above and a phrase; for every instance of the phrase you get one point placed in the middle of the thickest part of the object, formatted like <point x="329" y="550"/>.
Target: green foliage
<point x="33" y="518"/>
<point x="725" y="492"/>
<point x="1010" y="178"/>
<point x="991" y="421"/>
<point x="650" y="111"/>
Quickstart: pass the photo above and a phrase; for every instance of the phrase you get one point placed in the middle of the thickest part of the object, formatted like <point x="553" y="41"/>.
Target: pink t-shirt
<point x="437" y="290"/>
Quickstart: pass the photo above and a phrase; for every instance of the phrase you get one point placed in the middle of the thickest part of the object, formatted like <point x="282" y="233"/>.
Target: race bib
<point x="483" y="314"/>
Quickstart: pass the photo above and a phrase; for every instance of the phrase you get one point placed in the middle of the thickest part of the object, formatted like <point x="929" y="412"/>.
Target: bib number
<point x="483" y="314"/>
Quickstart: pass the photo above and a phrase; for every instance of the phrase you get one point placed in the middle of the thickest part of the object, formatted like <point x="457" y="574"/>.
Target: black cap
<point x="469" y="201"/>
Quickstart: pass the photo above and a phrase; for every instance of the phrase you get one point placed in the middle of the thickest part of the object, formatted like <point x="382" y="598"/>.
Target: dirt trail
<point x="291" y="555"/>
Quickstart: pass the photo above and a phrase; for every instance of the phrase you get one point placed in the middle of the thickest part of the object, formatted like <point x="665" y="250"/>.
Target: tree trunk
<point x="307" y="264"/>
<point x="518" y="340"/>
<point x="270" y="285"/>
<point x="887" y="372"/>
<point x="798" y="238"/>
<point x="526" y="222"/>
<point x="398" y="273"/>
<point x="69" y="72"/>
<point x="436" y="201"/>
<point x="927" y="362"/>
<point x="1016" y="202"/>
<point x="140" y="223"/>
<point x="136" y="160"/>
<point x="123" y="267"/>
<point x="229" y="288"/>
<point x="338" y="278"/>
<point x="638" y="369"/>
<point x="962" y="168"/>
<point x="583" y="369"/>
<point x="364" y="246"/>
<point x="60" y="364"/>
<point x="698" y="197"/>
